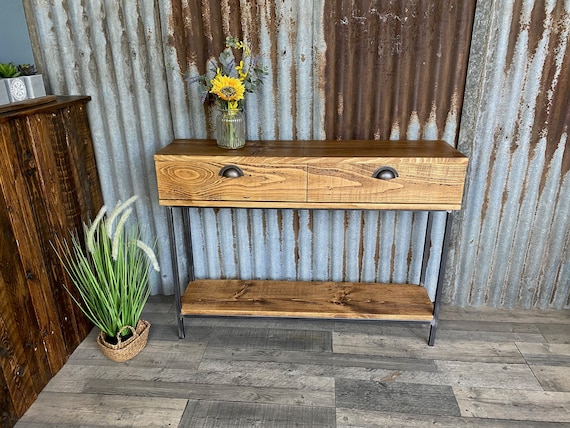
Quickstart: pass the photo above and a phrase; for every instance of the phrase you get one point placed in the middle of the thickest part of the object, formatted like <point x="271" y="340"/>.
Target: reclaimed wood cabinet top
<point x="49" y="103"/>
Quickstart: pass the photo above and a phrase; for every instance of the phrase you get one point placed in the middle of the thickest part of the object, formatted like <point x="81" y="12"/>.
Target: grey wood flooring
<point x="488" y="368"/>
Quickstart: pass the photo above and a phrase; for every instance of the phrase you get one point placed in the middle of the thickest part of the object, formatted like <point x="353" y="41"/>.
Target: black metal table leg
<point x="188" y="239"/>
<point x="175" y="273"/>
<point x="427" y="246"/>
<point x="440" y="278"/>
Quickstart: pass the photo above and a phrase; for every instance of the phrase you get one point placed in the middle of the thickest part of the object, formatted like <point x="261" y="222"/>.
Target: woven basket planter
<point x="124" y="351"/>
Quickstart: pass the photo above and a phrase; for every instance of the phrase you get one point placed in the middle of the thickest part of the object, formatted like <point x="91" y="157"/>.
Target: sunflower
<point x="227" y="88"/>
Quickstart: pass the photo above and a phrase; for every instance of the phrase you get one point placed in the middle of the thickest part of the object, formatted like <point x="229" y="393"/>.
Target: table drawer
<point x="416" y="181"/>
<point x="202" y="179"/>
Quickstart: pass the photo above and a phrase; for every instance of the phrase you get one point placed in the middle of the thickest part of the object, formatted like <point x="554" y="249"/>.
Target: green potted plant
<point x="34" y="82"/>
<point x="19" y="83"/>
<point x="11" y="87"/>
<point x="110" y="268"/>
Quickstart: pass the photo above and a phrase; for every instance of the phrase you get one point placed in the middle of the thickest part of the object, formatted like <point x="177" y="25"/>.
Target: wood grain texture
<point x="220" y="392"/>
<point x="20" y="382"/>
<point x="546" y="354"/>
<point x="374" y="419"/>
<point x="17" y="168"/>
<point x="266" y="179"/>
<point x="313" y="174"/>
<point x="310" y="205"/>
<point x="446" y="349"/>
<point x="488" y="375"/>
<point x="555" y="333"/>
<point x="396" y="397"/>
<point x="186" y="148"/>
<point x="307" y="299"/>
<point x="8" y="417"/>
<point x="102" y="410"/>
<point x="233" y="371"/>
<point x="23" y="353"/>
<point x="218" y="355"/>
<point x="553" y="378"/>
<point x="52" y="105"/>
<point x="505" y="404"/>
<point x="201" y="413"/>
<point x="48" y="185"/>
<point x="20" y="105"/>
<point x="418" y="181"/>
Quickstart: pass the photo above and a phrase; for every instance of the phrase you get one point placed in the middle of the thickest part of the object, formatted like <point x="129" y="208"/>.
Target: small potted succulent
<point x="19" y="83"/>
<point x="34" y="81"/>
<point x="109" y="265"/>
<point x="9" y="77"/>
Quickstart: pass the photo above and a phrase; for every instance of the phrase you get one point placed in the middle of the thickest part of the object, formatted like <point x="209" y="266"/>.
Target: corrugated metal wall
<point x="346" y="69"/>
<point x="513" y="238"/>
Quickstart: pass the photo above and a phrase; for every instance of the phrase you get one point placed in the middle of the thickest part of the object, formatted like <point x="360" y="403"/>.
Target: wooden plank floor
<point x="489" y="368"/>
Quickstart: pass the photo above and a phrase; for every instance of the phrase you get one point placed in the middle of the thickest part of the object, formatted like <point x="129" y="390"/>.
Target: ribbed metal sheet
<point x="114" y="53"/>
<point x="346" y="69"/>
<point x="513" y="246"/>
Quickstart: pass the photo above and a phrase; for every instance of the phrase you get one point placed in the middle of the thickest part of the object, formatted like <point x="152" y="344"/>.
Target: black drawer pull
<point x="231" y="171"/>
<point x="385" y="173"/>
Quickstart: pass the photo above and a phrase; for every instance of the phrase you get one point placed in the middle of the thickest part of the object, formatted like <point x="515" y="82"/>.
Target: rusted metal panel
<point x="344" y="69"/>
<point x="330" y="68"/>
<point x="334" y="72"/>
<point x="113" y="52"/>
<point x="513" y="237"/>
<point x="396" y="69"/>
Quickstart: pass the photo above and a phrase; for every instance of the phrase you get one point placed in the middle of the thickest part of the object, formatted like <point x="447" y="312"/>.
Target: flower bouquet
<point x="225" y="83"/>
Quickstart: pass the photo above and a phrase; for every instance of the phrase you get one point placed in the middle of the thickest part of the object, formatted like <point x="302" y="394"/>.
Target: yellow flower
<point x="227" y="88"/>
<point x="239" y="69"/>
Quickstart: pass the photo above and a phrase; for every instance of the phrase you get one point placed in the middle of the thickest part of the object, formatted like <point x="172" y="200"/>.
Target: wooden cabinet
<point x="379" y="175"/>
<point x="48" y="185"/>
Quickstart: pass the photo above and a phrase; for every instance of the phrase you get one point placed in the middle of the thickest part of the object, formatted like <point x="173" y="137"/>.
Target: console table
<point x="356" y="174"/>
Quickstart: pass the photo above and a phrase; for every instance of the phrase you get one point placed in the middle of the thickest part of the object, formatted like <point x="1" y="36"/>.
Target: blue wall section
<point x="14" y="38"/>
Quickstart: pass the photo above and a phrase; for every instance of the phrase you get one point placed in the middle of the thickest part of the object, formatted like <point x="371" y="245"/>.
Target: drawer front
<point x="417" y="181"/>
<point x="199" y="179"/>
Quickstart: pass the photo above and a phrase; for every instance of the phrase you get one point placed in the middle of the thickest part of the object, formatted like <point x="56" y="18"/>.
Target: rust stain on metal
<point x="296" y="230"/>
<point x="552" y="116"/>
<point x="199" y="29"/>
<point x="540" y="36"/>
<point x="373" y="69"/>
<point x="389" y="60"/>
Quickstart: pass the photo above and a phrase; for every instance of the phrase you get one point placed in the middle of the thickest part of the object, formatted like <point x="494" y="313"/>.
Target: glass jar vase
<point x="230" y="128"/>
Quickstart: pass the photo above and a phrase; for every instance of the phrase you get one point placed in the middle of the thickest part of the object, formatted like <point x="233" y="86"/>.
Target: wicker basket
<point x="124" y="351"/>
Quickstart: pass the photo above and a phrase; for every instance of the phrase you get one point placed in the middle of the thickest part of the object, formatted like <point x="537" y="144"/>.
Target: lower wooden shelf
<point x="398" y="302"/>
